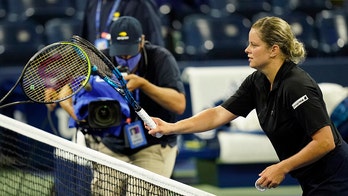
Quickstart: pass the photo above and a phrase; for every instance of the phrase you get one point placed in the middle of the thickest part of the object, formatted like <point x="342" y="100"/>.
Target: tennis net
<point x="35" y="162"/>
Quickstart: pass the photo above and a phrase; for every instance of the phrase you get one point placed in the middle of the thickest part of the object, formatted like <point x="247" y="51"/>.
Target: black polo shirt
<point x="290" y="113"/>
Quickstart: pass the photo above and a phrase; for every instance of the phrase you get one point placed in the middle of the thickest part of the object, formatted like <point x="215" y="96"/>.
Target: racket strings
<point x="56" y="73"/>
<point x="93" y="55"/>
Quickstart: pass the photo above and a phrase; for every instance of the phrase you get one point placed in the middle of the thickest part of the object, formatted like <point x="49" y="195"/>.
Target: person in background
<point x="290" y="109"/>
<point x="99" y="15"/>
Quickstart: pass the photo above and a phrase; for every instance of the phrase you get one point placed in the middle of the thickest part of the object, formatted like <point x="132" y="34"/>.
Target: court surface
<point x="251" y="191"/>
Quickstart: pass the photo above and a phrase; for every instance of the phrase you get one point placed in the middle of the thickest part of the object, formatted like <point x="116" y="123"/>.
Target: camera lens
<point x="104" y="111"/>
<point x="104" y="114"/>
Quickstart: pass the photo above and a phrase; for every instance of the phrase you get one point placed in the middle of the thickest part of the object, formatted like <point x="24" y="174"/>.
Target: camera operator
<point x="154" y="79"/>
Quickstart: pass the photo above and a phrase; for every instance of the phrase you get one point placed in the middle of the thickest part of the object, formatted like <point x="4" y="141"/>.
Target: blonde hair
<point x="276" y="31"/>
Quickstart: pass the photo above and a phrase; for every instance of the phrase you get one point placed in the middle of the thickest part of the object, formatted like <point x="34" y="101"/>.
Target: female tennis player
<point x="290" y="109"/>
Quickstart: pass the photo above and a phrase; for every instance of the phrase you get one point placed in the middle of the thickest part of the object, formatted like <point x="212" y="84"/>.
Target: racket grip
<point x="148" y="120"/>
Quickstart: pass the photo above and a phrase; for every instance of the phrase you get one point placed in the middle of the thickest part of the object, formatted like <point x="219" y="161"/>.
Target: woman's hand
<point x="272" y="176"/>
<point x="162" y="127"/>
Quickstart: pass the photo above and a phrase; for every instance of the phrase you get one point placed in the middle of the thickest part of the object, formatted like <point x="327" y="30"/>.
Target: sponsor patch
<point x="299" y="101"/>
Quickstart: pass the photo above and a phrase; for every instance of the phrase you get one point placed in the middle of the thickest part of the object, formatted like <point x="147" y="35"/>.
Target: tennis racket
<point x="53" y="74"/>
<point x="102" y="66"/>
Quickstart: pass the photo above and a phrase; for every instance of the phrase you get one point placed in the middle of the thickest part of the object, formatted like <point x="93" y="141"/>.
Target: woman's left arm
<point x="321" y="144"/>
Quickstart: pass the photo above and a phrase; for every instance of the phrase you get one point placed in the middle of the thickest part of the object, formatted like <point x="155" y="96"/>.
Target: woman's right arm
<point x="203" y="121"/>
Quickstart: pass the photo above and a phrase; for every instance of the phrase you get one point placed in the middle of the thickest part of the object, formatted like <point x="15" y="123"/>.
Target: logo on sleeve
<point x="299" y="101"/>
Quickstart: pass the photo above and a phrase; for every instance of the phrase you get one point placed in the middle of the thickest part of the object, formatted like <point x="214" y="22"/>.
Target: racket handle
<point x="148" y="120"/>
